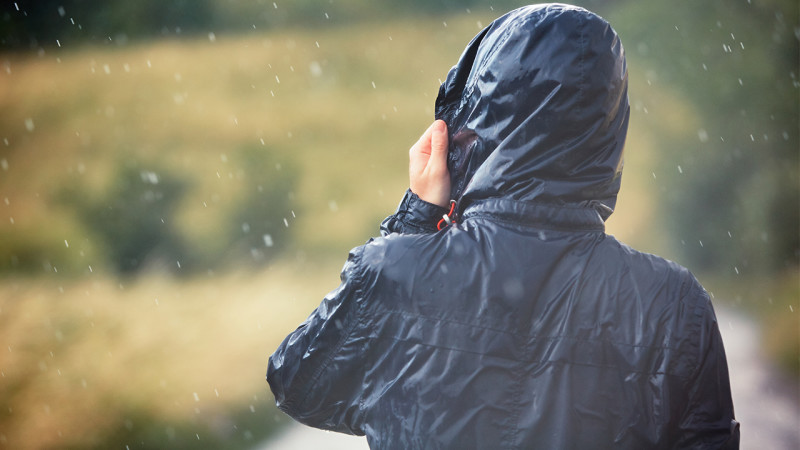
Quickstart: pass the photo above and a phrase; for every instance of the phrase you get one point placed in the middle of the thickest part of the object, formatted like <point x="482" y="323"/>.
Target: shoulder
<point x="647" y="266"/>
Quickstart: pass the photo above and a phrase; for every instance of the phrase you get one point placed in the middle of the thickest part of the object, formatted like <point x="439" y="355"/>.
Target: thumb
<point x="439" y="143"/>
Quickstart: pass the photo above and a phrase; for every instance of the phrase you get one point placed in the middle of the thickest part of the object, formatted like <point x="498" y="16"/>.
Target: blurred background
<point x="180" y="182"/>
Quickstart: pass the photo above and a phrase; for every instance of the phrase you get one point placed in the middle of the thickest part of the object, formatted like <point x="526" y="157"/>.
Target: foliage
<point x="133" y="218"/>
<point x="36" y="23"/>
<point x="731" y="173"/>
<point x="259" y="221"/>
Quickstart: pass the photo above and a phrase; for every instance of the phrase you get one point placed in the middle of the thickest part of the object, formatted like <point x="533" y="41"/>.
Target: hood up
<point x="537" y="110"/>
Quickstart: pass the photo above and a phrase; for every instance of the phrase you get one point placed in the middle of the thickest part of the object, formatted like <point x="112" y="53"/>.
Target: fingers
<point x="423" y="145"/>
<point x="438" y="144"/>
<point x="428" y="175"/>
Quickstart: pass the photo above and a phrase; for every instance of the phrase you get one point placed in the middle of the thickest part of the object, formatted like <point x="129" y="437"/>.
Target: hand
<point x="427" y="166"/>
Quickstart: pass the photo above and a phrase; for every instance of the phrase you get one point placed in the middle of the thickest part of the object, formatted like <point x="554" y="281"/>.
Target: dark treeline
<point x="45" y="23"/>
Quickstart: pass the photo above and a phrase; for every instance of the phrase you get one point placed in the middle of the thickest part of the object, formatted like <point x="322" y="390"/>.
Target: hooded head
<point x="537" y="110"/>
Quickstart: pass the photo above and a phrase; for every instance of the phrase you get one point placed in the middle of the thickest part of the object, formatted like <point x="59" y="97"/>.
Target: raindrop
<point x="61" y="11"/>
<point x="277" y="79"/>
<point x="275" y="5"/>
<point x="286" y="222"/>
<point x="212" y="37"/>
<point x="4" y="166"/>
<point x="315" y="69"/>
<point x="196" y="397"/>
<point x="736" y="269"/>
<point x="702" y="135"/>
<point x="373" y="85"/>
<point x="66" y="243"/>
<point x="680" y="169"/>
<point x="268" y="240"/>
<point x="333" y="206"/>
<point x="58" y="42"/>
<point x="791" y="308"/>
<point x="106" y="69"/>
<point x="29" y="124"/>
<point x="317" y="43"/>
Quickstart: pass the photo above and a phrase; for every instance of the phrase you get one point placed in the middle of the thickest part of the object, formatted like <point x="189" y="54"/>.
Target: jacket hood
<point x="537" y="110"/>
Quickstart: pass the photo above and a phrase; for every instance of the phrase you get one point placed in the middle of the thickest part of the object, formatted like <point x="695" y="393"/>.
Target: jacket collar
<point x="570" y="217"/>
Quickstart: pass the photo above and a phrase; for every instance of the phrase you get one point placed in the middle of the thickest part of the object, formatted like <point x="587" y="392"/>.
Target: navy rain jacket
<point x="523" y="325"/>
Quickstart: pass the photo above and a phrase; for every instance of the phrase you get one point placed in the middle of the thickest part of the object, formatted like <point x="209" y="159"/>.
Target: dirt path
<point x="767" y="406"/>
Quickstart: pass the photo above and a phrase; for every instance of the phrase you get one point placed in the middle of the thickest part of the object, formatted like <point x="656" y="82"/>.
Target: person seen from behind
<point x="507" y="318"/>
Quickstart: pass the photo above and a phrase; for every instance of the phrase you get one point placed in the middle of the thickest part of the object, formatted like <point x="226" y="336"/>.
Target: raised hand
<point x="427" y="166"/>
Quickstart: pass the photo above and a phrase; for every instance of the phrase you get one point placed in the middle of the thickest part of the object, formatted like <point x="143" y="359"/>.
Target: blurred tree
<point x="732" y="189"/>
<point x="259" y="221"/>
<point x="133" y="219"/>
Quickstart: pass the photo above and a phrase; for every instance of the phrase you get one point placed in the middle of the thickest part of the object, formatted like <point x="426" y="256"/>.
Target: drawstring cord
<point x="448" y="218"/>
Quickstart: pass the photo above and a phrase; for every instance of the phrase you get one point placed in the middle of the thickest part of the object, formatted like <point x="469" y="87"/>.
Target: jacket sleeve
<point x="413" y="216"/>
<point x="314" y="374"/>
<point x="708" y="421"/>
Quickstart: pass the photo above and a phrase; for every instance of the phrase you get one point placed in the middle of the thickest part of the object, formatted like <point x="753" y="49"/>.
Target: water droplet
<point x="315" y="69"/>
<point x="212" y="37"/>
<point x="29" y="124"/>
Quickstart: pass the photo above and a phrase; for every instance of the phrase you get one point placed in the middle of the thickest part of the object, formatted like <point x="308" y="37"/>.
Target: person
<point x="508" y="318"/>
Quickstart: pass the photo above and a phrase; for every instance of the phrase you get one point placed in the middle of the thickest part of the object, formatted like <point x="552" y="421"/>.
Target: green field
<point x="98" y="360"/>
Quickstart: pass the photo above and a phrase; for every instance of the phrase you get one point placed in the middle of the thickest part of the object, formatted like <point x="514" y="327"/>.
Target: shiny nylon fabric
<point x="524" y="325"/>
<point x="537" y="110"/>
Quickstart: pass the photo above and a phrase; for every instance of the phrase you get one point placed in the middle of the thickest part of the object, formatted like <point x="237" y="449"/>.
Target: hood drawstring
<point x="448" y="218"/>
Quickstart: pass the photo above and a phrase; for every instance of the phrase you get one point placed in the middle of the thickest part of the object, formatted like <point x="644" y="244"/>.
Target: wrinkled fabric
<point x="523" y="325"/>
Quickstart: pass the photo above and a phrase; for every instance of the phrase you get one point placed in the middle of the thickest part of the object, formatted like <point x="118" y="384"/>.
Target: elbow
<point x="275" y="381"/>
